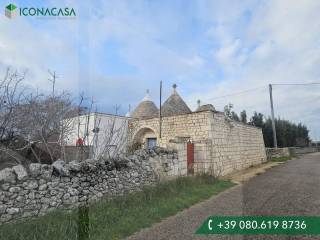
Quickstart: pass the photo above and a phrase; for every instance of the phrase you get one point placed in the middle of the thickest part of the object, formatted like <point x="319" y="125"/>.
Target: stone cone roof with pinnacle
<point x="174" y="105"/>
<point x="145" y="109"/>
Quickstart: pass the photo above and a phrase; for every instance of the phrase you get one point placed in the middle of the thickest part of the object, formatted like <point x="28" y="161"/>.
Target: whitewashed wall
<point x="110" y="139"/>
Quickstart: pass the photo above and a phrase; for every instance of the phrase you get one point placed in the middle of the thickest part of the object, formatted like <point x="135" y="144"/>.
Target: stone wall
<point x="221" y="145"/>
<point x="40" y="188"/>
<point x="203" y="160"/>
<point x="169" y="165"/>
<point x="277" y="152"/>
<point x="303" y="150"/>
<point x="76" y="152"/>
<point x="235" y="146"/>
<point x="289" y="151"/>
<point x="193" y="126"/>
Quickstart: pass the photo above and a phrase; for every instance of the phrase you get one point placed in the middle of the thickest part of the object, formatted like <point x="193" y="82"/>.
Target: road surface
<point x="292" y="188"/>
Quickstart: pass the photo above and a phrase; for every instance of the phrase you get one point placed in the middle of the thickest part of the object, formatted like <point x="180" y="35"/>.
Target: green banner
<point x="286" y="225"/>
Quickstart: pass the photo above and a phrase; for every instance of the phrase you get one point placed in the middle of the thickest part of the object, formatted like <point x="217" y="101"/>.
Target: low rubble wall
<point x="277" y="152"/>
<point x="40" y="188"/>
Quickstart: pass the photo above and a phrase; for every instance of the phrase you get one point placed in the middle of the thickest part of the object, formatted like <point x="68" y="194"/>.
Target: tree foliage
<point x="230" y="113"/>
<point x="243" y="116"/>
<point x="289" y="134"/>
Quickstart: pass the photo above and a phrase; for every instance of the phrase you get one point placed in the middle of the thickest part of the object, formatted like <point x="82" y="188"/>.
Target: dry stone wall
<point x="235" y="146"/>
<point x="289" y="151"/>
<point x="303" y="150"/>
<point x="277" y="152"/>
<point x="40" y="188"/>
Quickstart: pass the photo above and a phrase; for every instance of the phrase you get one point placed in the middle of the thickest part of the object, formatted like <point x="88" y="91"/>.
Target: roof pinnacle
<point x="147" y="96"/>
<point x="174" y="86"/>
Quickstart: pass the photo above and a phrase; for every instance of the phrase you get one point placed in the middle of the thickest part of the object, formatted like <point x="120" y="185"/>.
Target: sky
<point x="217" y="51"/>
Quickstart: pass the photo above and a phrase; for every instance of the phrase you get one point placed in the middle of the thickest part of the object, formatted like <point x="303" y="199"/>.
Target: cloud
<point x="280" y="44"/>
<point x="231" y="54"/>
<point x="26" y="47"/>
<point x="116" y="51"/>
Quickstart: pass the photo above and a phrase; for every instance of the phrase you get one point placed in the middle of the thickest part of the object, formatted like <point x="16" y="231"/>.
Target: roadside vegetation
<point x="289" y="134"/>
<point x="281" y="159"/>
<point x="119" y="217"/>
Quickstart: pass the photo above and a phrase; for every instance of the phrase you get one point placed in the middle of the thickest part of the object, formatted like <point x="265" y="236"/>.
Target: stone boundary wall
<point x="40" y="188"/>
<point x="289" y="151"/>
<point x="76" y="152"/>
<point x="303" y="150"/>
<point x="235" y="146"/>
<point x="277" y="152"/>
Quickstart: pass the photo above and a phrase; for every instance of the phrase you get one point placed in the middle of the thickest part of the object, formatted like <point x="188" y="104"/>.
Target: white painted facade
<point x="105" y="134"/>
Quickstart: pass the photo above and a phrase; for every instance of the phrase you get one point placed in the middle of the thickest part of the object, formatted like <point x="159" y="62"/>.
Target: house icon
<point x="11" y="11"/>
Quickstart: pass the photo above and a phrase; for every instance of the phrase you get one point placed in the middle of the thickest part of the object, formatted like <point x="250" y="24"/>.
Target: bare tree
<point x="42" y="122"/>
<point x="33" y="122"/>
<point x="112" y="137"/>
<point x="11" y="96"/>
<point x="11" y="93"/>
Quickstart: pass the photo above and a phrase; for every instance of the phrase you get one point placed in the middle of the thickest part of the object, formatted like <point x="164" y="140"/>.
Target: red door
<point x="190" y="157"/>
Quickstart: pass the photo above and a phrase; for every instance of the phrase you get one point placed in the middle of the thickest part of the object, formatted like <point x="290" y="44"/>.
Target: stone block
<point x="21" y="172"/>
<point x="7" y="175"/>
<point x="61" y="168"/>
<point x="35" y="169"/>
<point x="13" y="211"/>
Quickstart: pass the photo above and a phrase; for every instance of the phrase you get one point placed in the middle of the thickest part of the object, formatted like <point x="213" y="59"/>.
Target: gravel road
<point x="292" y="188"/>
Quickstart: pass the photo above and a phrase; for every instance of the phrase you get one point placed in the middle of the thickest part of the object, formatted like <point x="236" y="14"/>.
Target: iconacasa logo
<point x="11" y="11"/>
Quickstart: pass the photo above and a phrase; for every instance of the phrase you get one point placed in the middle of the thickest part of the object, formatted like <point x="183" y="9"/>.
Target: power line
<point x="261" y="87"/>
<point x="237" y="93"/>
<point x="295" y="84"/>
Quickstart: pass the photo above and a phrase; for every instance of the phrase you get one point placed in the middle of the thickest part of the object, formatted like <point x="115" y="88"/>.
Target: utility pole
<point x="160" y="116"/>
<point x="53" y="80"/>
<point x="275" y="144"/>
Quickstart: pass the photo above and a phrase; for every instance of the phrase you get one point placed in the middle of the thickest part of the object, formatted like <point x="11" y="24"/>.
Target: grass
<point x="122" y="216"/>
<point x="281" y="159"/>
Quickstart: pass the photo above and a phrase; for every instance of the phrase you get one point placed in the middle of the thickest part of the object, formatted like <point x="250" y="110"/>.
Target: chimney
<point x="198" y="103"/>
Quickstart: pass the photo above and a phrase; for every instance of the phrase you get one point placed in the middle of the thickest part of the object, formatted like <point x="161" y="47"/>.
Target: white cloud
<point x="26" y="47"/>
<point x="283" y="38"/>
<point x="231" y="54"/>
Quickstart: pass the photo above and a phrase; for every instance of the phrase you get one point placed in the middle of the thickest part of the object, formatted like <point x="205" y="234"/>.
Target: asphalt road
<point x="292" y="188"/>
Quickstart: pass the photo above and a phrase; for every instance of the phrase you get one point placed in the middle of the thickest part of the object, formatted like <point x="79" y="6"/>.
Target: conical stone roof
<point x="145" y="109"/>
<point x="174" y="105"/>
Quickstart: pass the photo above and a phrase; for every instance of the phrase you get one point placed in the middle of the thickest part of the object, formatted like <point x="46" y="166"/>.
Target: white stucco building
<point x="104" y="134"/>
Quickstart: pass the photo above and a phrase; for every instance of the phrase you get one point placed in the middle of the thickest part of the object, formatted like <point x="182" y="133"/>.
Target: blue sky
<point x="115" y="50"/>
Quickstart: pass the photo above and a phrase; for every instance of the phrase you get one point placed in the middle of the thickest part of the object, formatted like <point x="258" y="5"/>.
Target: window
<point x="151" y="142"/>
